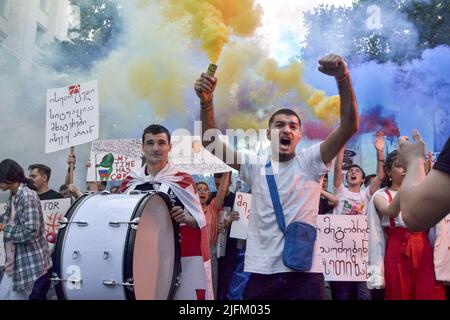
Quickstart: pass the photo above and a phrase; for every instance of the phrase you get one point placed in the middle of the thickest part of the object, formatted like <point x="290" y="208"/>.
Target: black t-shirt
<point x="228" y="201"/>
<point x="443" y="162"/>
<point x="324" y="206"/>
<point x="50" y="195"/>
<point x="153" y="187"/>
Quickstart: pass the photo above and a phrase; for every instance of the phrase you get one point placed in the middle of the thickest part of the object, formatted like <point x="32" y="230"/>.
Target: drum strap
<point x="164" y="188"/>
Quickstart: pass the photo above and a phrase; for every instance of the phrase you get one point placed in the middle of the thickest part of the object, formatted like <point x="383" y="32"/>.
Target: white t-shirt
<point x="351" y="203"/>
<point x="299" y="182"/>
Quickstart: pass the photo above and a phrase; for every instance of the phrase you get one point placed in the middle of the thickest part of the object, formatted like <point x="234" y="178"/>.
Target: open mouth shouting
<point x="285" y="143"/>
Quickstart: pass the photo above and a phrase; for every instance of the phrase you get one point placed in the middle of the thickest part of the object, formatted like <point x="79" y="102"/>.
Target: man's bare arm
<point x="334" y="65"/>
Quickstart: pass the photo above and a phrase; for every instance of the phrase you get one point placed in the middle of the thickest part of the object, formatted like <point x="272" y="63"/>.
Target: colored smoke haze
<point x="374" y="120"/>
<point x="214" y="21"/>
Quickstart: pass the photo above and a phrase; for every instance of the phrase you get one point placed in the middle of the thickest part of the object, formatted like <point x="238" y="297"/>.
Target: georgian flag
<point x="196" y="279"/>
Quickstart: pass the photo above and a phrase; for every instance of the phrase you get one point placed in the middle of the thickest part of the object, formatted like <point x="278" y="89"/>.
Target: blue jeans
<point x="239" y="280"/>
<point x="350" y="290"/>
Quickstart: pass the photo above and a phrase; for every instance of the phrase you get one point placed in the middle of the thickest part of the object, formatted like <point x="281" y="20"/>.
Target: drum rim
<point x="131" y="237"/>
<point x="56" y="268"/>
<point x="127" y="259"/>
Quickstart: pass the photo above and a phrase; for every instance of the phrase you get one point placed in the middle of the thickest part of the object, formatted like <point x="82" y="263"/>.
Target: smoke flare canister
<point x="211" y="70"/>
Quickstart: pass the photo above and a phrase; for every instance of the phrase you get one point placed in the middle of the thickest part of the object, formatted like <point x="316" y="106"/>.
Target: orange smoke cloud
<point x="214" y="21"/>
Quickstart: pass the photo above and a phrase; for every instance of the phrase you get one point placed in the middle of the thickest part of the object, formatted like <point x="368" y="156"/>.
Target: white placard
<point x="2" y="246"/>
<point x="54" y="211"/>
<point x="344" y="247"/>
<point x="189" y="156"/>
<point x="242" y="205"/>
<point x="221" y="243"/>
<point x="112" y="160"/>
<point x="72" y="116"/>
<point x="442" y="250"/>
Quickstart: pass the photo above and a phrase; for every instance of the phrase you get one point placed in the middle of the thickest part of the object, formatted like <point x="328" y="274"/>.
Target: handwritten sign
<point x="242" y="205"/>
<point x="54" y="211"/>
<point x="189" y="156"/>
<point x="112" y="160"/>
<point x="442" y="250"/>
<point x="2" y="246"/>
<point x="344" y="249"/>
<point x="72" y="116"/>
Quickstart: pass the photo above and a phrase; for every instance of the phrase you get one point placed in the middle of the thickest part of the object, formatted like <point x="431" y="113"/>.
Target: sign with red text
<point x="344" y="247"/>
<point x="72" y="116"/>
<point x="113" y="160"/>
<point x="54" y="211"/>
<point x="242" y="204"/>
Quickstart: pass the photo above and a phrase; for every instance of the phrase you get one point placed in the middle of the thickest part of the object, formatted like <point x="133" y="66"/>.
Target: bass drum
<point x="118" y="247"/>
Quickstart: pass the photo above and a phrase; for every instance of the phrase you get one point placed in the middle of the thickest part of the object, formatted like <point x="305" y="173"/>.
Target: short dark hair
<point x="287" y="112"/>
<point x="42" y="168"/>
<point x="63" y="187"/>
<point x="218" y="175"/>
<point x="11" y="172"/>
<point x="155" y="129"/>
<point x="356" y="166"/>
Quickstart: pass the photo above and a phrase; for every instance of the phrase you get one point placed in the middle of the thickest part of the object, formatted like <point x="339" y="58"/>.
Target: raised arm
<point x="337" y="180"/>
<point x="223" y="188"/>
<point x="71" y="160"/>
<point x="334" y="65"/>
<point x="204" y="88"/>
<point x="331" y="198"/>
<point x="379" y="147"/>
<point x="424" y="200"/>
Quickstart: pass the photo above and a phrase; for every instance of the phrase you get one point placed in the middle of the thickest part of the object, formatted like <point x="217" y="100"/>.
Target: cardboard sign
<point x="54" y="211"/>
<point x="442" y="250"/>
<point x="72" y="116"/>
<point x="221" y="243"/>
<point x="344" y="247"/>
<point x="113" y="160"/>
<point x="242" y="205"/>
<point x="189" y="156"/>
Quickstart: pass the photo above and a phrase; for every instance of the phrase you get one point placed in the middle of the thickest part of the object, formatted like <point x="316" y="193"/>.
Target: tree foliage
<point x="395" y="30"/>
<point x="100" y="28"/>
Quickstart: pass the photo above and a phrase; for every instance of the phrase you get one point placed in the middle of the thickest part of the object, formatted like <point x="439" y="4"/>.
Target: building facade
<point x="26" y="26"/>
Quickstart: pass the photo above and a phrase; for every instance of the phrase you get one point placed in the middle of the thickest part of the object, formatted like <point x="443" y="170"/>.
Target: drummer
<point x="158" y="174"/>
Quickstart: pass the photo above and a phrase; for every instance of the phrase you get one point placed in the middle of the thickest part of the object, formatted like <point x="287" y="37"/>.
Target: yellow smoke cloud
<point x="290" y="78"/>
<point x="273" y="84"/>
<point x="214" y="21"/>
<point x="247" y="121"/>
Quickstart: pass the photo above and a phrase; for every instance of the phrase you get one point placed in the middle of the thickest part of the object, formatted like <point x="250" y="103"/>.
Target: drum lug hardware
<point x="133" y="224"/>
<point x="106" y="255"/>
<point x="113" y="283"/>
<point x="73" y="281"/>
<point x="76" y="254"/>
<point x="177" y="282"/>
<point x="55" y="278"/>
<point x="64" y="222"/>
<point x="105" y="193"/>
<point x="134" y="192"/>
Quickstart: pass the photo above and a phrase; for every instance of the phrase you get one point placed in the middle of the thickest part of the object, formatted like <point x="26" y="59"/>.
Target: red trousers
<point x="409" y="268"/>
